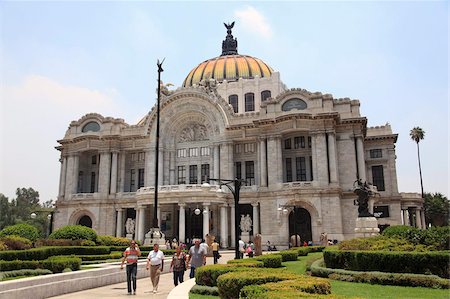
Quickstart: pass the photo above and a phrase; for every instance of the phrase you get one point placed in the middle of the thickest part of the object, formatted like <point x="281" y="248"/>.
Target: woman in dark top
<point x="178" y="266"/>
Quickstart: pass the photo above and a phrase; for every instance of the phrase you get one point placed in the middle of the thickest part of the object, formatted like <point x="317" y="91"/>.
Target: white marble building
<point x="300" y="153"/>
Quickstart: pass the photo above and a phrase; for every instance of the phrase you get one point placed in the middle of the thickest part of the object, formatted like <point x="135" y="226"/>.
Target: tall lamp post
<point x="235" y="188"/>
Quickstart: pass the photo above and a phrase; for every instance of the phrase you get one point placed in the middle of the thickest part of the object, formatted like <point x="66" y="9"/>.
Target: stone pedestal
<point x="366" y="227"/>
<point x="129" y="236"/>
<point x="155" y="236"/>
<point x="245" y="236"/>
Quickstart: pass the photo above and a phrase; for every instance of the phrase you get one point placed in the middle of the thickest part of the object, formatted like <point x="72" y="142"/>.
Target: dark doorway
<point x="194" y="224"/>
<point x="300" y="224"/>
<point x="85" y="221"/>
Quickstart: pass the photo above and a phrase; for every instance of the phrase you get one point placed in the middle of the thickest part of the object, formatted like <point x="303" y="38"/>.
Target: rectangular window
<point x="94" y="159"/>
<point x="132" y="180"/>
<point x="181" y="175"/>
<point x="80" y="182"/>
<point x="299" y="142"/>
<point x="142" y="156"/>
<point x="309" y="141"/>
<point x="205" y="172"/>
<point x="287" y="143"/>
<point x="204" y="151"/>
<point x="378" y="177"/>
<point x="311" y="168"/>
<point x="381" y="211"/>
<point x="238" y="170"/>
<point x="265" y="94"/>
<point x="238" y="148"/>
<point x="250" y="173"/>
<point x="181" y="153"/>
<point x="376" y="153"/>
<point x="92" y="182"/>
<point x="249" y="147"/>
<point x="288" y="170"/>
<point x="193" y="179"/>
<point x="300" y="164"/>
<point x="233" y="101"/>
<point x="193" y="152"/>
<point x="141" y="178"/>
<point x="249" y="102"/>
<point x="133" y="157"/>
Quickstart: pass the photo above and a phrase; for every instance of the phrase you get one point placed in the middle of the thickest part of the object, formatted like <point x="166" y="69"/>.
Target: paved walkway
<point x="144" y="285"/>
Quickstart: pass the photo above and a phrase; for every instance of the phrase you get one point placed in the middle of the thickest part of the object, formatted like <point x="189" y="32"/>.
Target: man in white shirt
<point x="241" y="248"/>
<point x="155" y="262"/>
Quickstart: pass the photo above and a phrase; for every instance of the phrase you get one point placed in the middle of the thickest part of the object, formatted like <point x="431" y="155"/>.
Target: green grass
<point x="15" y="277"/>
<point x="299" y="267"/>
<point x="376" y="291"/>
<point x="198" y="296"/>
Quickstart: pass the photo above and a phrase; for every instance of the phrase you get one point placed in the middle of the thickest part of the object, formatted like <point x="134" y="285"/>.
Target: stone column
<point x="104" y="171"/>
<point x="422" y="217"/>
<point x="182" y="224"/>
<point x="233" y="229"/>
<point x="62" y="176"/>
<point x="274" y="160"/>
<point x="119" y="222"/>
<point x="314" y="157"/>
<point x="418" y="220"/>
<point x="172" y="154"/>
<point x="216" y="163"/>
<point x="122" y="172"/>
<point x="320" y="150"/>
<point x="227" y="161"/>
<point x="360" y="158"/>
<point x="113" y="189"/>
<point x="149" y="169"/>
<point x="332" y="157"/>
<point x="205" y="219"/>
<point x="223" y="227"/>
<point x="158" y="214"/>
<point x="405" y="217"/>
<point x="136" y="224"/>
<point x="263" y="162"/>
<point x="141" y="224"/>
<point x="255" y="219"/>
<point x="161" y="168"/>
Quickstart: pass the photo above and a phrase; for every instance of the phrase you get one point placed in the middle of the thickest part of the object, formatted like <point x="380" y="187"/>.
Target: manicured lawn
<point x="359" y="290"/>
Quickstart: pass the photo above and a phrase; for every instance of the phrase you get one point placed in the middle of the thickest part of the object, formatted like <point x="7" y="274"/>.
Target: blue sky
<point x="63" y="59"/>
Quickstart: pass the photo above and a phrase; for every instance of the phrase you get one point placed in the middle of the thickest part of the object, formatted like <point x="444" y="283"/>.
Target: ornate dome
<point x="229" y="66"/>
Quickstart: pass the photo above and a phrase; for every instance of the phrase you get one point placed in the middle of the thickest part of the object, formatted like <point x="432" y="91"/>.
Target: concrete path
<point x="144" y="285"/>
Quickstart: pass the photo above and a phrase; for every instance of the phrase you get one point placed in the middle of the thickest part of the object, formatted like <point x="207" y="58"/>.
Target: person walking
<point x="155" y="262"/>
<point x="130" y="255"/>
<point x="197" y="257"/>
<point x="215" y="250"/>
<point x="241" y="249"/>
<point x="178" y="266"/>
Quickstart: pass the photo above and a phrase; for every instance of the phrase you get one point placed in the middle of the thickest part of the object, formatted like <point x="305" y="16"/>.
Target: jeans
<point x="192" y="274"/>
<point x="216" y="256"/>
<point x="131" y="276"/>
<point x="178" y="276"/>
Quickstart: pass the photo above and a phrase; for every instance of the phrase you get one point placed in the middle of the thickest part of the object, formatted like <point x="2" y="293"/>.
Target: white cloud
<point x="34" y="115"/>
<point x="254" y="21"/>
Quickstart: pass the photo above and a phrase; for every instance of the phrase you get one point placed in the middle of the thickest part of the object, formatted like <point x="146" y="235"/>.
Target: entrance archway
<point x="300" y="224"/>
<point x="194" y="225"/>
<point x="85" y="221"/>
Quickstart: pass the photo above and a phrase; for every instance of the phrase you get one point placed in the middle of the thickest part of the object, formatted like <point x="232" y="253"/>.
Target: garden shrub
<point x="42" y="253"/>
<point x="208" y="275"/>
<point x="13" y="242"/>
<point x="437" y="238"/>
<point x="57" y="242"/>
<point x="400" y="279"/>
<point x="111" y="256"/>
<point x="387" y="261"/>
<point x="3" y="246"/>
<point x="23" y="230"/>
<point x="289" y="255"/>
<point x="270" y="260"/>
<point x="205" y="290"/>
<point x="87" y="243"/>
<point x="25" y="272"/>
<point x="112" y="241"/>
<point x="383" y="243"/>
<point x="74" y="232"/>
<point x="57" y="264"/>
<point x="250" y="262"/>
<point x="261" y="292"/>
<point x="18" y="265"/>
<point x="231" y="283"/>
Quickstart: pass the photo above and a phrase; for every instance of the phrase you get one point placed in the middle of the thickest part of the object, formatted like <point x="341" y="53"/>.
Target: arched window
<point x="233" y="101"/>
<point x="85" y="221"/>
<point x="249" y="102"/>
<point x="265" y="94"/>
<point x="294" y="103"/>
<point x="91" y="126"/>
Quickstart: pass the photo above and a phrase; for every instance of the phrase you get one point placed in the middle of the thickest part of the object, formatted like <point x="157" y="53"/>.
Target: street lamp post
<point x="235" y="190"/>
<point x="285" y="210"/>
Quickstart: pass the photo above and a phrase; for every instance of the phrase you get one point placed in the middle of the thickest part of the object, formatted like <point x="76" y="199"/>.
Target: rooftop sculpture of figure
<point x="364" y="192"/>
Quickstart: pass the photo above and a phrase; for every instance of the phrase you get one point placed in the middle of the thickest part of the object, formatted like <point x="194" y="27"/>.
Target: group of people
<point x="155" y="263"/>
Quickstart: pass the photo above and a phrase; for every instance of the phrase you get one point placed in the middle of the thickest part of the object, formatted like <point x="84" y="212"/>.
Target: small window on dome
<point x="249" y="102"/>
<point x="91" y="126"/>
<point x="233" y="101"/>
<point x="265" y="94"/>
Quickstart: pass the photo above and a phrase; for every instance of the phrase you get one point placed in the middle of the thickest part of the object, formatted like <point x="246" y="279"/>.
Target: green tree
<point x="436" y="209"/>
<point x="27" y="200"/>
<point x="6" y="218"/>
<point x="418" y="134"/>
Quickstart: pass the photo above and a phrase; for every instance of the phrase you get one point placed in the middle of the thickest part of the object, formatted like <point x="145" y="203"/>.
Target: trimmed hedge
<point x="107" y="240"/>
<point x="23" y="230"/>
<point x="56" y="264"/>
<point x="250" y="262"/>
<point x="270" y="260"/>
<point x="289" y="255"/>
<point x="25" y="272"/>
<point x="387" y="261"/>
<point x="74" y="232"/>
<point x="204" y="290"/>
<point x="100" y="257"/>
<point x="207" y="275"/>
<point x="57" y="242"/>
<point x="14" y="242"/>
<point x="42" y="253"/>
<point x="403" y="279"/>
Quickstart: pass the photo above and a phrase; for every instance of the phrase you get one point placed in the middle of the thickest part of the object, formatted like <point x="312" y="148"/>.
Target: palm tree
<point x="418" y="134"/>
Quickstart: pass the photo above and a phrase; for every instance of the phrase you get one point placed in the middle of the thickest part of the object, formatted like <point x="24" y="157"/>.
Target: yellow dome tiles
<point x="228" y="67"/>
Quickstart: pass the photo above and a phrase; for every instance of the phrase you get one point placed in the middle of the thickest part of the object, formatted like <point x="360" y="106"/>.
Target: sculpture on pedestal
<point x="364" y="192"/>
<point x="246" y="223"/>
